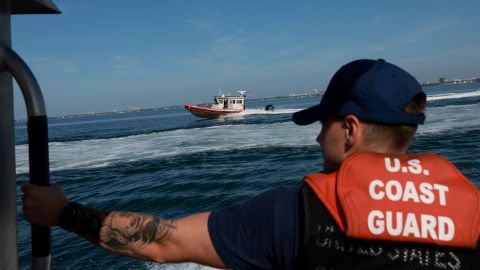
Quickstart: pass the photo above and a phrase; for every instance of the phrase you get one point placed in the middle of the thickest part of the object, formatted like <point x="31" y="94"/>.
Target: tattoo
<point x="129" y="233"/>
<point x="122" y="232"/>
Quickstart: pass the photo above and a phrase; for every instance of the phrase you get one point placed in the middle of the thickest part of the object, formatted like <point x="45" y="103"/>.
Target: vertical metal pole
<point x="37" y="146"/>
<point x="8" y="217"/>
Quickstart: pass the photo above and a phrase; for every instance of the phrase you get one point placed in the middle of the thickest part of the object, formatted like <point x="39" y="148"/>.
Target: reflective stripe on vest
<point x="419" y="198"/>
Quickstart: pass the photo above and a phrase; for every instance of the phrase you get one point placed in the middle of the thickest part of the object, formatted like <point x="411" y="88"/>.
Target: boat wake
<point x="454" y="95"/>
<point x="263" y="111"/>
<point x="178" y="266"/>
<point x="98" y="153"/>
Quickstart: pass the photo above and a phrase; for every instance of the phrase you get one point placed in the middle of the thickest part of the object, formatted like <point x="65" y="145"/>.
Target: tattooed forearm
<point x="122" y="232"/>
<point x="129" y="233"/>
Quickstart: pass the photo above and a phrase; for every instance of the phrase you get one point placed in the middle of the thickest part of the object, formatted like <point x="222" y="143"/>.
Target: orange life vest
<point x="420" y="198"/>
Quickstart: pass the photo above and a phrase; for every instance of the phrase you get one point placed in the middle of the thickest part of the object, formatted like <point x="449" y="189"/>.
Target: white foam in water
<point x="451" y="117"/>
<point x="262" y="111"/>
<point x="453" y="95"/>
<point x="177" y="266"/>
<point x="104" y="152"/>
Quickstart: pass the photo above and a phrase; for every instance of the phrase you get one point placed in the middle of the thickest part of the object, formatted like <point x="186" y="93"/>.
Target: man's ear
<point x="353" y="130"/>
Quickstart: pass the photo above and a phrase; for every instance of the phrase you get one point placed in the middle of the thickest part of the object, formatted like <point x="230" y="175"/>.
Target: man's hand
<point x="43" y="205"/>
<point x="137" y="235"/>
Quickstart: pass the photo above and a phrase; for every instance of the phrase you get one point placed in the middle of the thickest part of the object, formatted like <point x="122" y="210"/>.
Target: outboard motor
<point x="269" y="107"/>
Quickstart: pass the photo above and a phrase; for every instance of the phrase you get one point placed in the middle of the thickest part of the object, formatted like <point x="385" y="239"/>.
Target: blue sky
<point x="108" y="55"/>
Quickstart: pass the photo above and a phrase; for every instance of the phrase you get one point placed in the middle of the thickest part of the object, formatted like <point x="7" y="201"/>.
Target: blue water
<point x="169" y="163"/>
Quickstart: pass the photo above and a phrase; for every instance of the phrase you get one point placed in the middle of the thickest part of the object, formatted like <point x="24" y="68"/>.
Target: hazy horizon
<point x="109" y="55"/>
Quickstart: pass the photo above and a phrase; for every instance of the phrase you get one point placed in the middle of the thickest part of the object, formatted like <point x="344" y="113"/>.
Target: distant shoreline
<point x="455" y="81"/>
<point x="137" y="109"/>
<point x="315" y="93"/>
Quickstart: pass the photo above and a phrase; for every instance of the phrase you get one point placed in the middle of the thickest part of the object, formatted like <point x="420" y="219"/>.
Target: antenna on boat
<point x="12" y="65"/>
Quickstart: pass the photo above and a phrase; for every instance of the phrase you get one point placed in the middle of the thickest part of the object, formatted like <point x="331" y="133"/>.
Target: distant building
<point x="442" y="81"/>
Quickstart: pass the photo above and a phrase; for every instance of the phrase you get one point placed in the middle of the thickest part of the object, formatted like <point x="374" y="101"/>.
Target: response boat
<point x="222" y="105"/>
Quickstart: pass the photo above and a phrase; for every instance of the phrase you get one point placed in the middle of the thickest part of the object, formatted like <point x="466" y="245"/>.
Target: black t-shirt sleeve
<point x="261" y="233"/>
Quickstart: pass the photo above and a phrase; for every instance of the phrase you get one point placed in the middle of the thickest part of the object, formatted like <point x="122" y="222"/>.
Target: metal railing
<point x="37" y="144"/>
<point x="11" y="64"/>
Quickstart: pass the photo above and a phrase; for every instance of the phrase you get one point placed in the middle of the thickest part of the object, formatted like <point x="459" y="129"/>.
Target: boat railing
<point x="12" y="65"/>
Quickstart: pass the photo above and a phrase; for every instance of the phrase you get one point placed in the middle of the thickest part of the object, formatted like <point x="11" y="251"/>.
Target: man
<point x="373" y="206"/>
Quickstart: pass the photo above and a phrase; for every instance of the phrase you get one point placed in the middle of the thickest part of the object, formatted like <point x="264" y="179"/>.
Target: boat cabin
<point x="229" y="102"/>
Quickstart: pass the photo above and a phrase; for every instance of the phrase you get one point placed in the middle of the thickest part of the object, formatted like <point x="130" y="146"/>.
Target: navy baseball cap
<point x="372" y="90"/>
